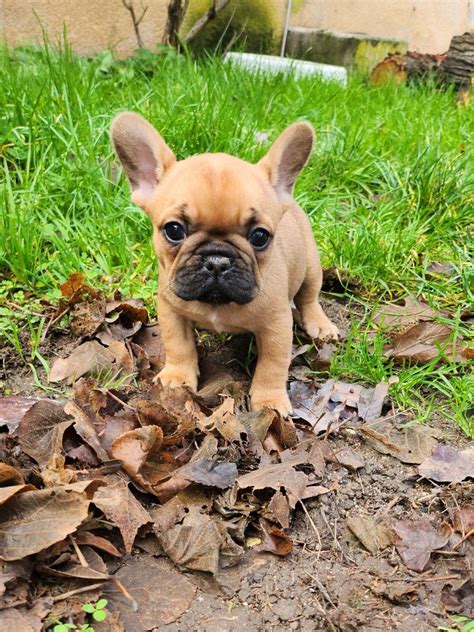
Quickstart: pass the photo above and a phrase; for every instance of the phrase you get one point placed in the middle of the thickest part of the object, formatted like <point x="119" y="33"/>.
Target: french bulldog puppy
<point x="234" y="249"/>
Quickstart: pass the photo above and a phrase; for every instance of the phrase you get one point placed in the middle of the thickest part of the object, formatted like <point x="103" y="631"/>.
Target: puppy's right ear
<point x="143" y="153"/>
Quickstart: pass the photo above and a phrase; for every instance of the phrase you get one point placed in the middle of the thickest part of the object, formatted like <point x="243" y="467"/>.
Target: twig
<point x="79" y="553"/>
<point x="321" y="588"/>
<point x="465" y="537"/>
<point x="76" y="591"/>
<point x="325" y="615"/>
<point x="53" y="321"/>
<point x="216" y="7"/>
<point x="315" y="528"/>
<point x="334" y="532"/>
<point x="125" y="593"/>
<point x="119" y="401"/>
<point x="420" y="580"/>
<point x="128" y="4"/>
<point x="23" y="309"/>
<point x="385" y="509"/>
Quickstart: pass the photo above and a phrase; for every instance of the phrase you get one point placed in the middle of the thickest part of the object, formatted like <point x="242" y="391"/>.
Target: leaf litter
<point x="86" y="479"/>
<point x="417" y="336"/>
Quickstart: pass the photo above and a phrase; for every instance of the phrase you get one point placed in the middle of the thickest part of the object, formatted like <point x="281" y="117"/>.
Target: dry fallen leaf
<point x="97" y="542"/>
<point x="224" y="421"/>
<point x="130" y="309"/>
<point x="90" y="357"/>
<point x="133" y="448"/>
<point x="448" y="465"/>
<point x="459" y="599"/>
<point x="200" y="542"/>
<point x="425" y="342"/>
<point x="309" y="402"/>
<point x="86" y="429"/>
<point x="463" y="519"/>
<point x="309" y="452"/>
<point x="415" y="541"/>
<point x="149" y="339"/>
<point x="397" y="592"/>
<point x="412" y="312"/>
<point x="94" y="569"/>
<point x="161" y="595"/>
<point x="12" y="490"/>
<point x="441" y="269"/>
<point x="151" y="413"/>
<point x="20" y="620"/>
<point x="207" y="472"/>
<point x="350" y="459"/>
<point x="122" y="508"/>
<point x="13" y="409"/>
<point x="335" y="402"/>
<point x="10" y="475"/>
<point x="40" y="432"/>
<point x="87" y="316"/>
<point x="75" y="289"/>
<point x="409" y="445"/>
<point x="258" y="422"/>
<point x="274" y="540"/>
<point x="33" y="520"/>
<point x="55" y="472"/>
<point x="116" y="425"/>
<point x="280" y="475"/>
<point x="372" y="535"/>
<point x="278" y="509"/>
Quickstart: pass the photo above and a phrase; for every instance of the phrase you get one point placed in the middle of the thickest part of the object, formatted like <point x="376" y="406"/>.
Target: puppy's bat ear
<point x="143" y="153"/>
<point x="287" y="156"/>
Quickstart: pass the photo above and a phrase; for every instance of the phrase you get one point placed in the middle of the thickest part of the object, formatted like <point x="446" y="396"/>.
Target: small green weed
<point x="463" y="624"/>
<point x="97" y="611"/>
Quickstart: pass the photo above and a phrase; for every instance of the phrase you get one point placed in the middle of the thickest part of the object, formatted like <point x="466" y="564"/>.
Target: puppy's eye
<point x="174" y="232"/>
<point x="259" y="238"/>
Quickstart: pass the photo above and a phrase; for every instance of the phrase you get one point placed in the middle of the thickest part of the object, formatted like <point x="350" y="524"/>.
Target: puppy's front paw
<point x="174" y="376"/>
<point x="316" y="323"/>
<point x="322" y="329"/>
<point x="278" y="400"/>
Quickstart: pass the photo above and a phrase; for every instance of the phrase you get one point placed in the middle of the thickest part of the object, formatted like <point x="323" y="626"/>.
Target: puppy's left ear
<point x="143" y="153"/>
<point x="287" y="156"/>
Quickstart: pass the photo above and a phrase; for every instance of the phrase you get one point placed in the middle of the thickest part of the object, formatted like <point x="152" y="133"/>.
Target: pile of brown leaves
<point x="85" y="481"/>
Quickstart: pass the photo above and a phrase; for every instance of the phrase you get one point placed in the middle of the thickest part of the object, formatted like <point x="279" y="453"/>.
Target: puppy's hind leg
<point x="313" y="319"/>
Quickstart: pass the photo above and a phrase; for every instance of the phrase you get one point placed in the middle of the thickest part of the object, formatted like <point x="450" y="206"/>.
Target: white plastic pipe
<point x="286" y="27"/>
<point x="297" y="67"/>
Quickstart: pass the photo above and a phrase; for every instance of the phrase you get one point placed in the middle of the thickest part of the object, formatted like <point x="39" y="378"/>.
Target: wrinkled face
<point x="214" y="218"/>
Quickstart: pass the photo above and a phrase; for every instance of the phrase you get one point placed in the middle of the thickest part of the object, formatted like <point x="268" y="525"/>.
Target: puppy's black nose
<point x="217" y="264"/>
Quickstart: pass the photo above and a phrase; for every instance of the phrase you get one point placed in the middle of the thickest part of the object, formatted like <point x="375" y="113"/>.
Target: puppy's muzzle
<point x="216" y="273"/>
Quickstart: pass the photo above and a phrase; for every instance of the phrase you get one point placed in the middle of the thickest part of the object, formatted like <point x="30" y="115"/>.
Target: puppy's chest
<point x="216" y="320"/>
<point x="215" y="323"/>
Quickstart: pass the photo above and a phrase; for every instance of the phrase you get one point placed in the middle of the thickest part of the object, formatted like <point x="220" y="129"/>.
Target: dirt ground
<point x="330" y="580"/>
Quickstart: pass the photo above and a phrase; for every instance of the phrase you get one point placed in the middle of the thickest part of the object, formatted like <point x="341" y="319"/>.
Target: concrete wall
<point x="426" y="25"/>
<point x="92" y="25"/>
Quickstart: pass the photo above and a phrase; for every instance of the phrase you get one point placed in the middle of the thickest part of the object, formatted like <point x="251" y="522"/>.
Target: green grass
<point x="389" y="189"/>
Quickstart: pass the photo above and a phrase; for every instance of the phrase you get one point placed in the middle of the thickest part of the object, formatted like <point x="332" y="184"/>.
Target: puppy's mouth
<point x="216" y="273"/>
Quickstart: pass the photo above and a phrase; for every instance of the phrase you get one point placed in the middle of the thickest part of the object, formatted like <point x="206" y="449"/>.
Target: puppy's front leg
<point x="274" y="357"/>
<point x="181" y="364"/>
